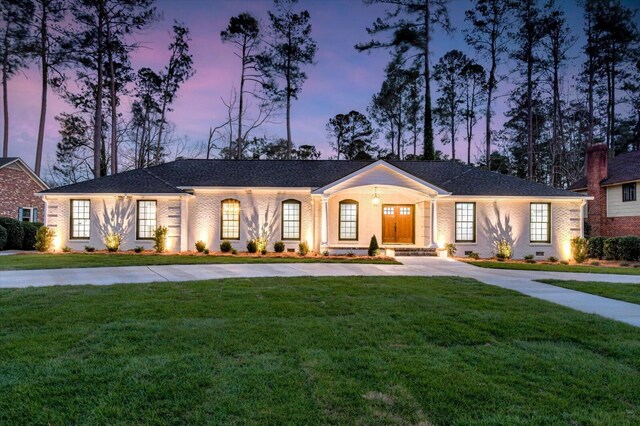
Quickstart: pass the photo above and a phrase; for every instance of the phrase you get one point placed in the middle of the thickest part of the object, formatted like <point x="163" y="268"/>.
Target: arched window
<point x="230" y="220"/>
<point x="348" y="220"/>
<point x="291" y="220"/>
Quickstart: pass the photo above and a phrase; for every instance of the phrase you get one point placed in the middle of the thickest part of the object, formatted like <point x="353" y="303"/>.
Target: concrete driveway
<point x="521" y="281"/>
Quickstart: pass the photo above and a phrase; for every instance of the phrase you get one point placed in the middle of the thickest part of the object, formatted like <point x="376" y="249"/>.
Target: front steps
<point x="414" y="251"/>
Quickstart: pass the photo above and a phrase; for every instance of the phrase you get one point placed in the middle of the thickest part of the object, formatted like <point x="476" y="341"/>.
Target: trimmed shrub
<point x="552" y="259"/>
<point x="303" y="248"/>
<point x="30" y="229"/>
<point x="503" y="249"/>
<point x="160" y="239"/>
<point x="112" y="240"/>
<point x="325" y="253"/>
<point x="374" y="249"/>
<point x="278" y="247"/>
<point x="579" y="249"/>
<point x="44" y="238"/>
<point x="529" y="257"/>
<point x="138" y="249"/>
<point x="66" y="249"/>
<point x="234" y="251"/>
<point x="15" y="233"/>
<point x="473" y="255"/>
<point x="629" y="248"/>
<point x="3" y="237"/>
<point x="451" y="249"/>
<point x="90" y="249"/>
<point x="252" y="246"/>
<point x="225" y="246"/>
<point x="596" y="247"/>
<point x="263" y="252"/>
<point x="611" y="249"/>
<point x="205" y="251"/>
<point x="200" y="246"/>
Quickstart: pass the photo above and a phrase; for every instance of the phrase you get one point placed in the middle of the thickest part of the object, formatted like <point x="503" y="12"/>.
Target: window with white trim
<point x="26" y="214"/>
<point x="291" y="220"/>
<point x="465" y="222"/>
<point x="230" y="226"/>
<point x="540" y="223"/>
<point x="146" y="219"/>
<point x="348" y="220"/>
<point x="629" y="192"/>
<point x="80" y="219"/>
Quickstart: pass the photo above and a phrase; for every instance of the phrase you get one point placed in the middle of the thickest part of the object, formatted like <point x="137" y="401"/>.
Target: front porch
<point x="378" y="200"/>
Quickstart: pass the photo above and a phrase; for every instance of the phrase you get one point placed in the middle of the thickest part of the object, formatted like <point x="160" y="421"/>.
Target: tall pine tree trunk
<point x="530" y="116"/>
<point x="241" y="100"/>
<point x="289" y="142"/>
<point x="45" y="86"/>
<point x="97" y="122"/>
<point x="428" y="115"/>
<point x="114" y="104"/>
<point x="5" y="97"/>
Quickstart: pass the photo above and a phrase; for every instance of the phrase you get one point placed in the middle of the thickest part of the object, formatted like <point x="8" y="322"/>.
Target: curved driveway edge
<point x="521" y="281"/>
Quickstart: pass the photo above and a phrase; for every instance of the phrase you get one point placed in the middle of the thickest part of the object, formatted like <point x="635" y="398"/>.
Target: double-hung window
<point x="291" y="220"/>
<point x="540" y="224"/>
<point x="465" y="222"/>
<point x="146" y="219"/>
<point x="230" y="226"/>
<point x="348" y="220"/>
<point x="80" y="219"/>
<point x="629" y="192"/>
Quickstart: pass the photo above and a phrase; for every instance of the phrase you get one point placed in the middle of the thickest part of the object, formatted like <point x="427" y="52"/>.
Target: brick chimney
<point x="596" y="173"/>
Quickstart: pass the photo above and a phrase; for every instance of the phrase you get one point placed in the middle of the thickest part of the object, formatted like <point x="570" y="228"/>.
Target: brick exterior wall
<point x="596" y="172"/>
<point x="600" y="223"/>
<point x="621" y="227"/>
<point x="17" y="190"/>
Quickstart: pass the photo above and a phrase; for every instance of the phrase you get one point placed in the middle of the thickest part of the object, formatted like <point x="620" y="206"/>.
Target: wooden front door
<point x="397" y="224"/>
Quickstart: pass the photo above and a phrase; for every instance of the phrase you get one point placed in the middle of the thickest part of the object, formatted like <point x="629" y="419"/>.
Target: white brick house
<point x="332" y="205"/>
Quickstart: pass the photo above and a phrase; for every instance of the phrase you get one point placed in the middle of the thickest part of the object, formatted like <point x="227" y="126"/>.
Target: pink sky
<point x="341" y="80"/>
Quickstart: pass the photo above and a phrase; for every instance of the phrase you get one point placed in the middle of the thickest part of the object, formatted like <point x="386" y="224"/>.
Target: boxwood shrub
<point x="278" y="247"/>
<point x="629" y="248"/>
<point x="30" y="230"/>
<point x="3" y="237"/>
<point x="15" y="233"/>
<point x="611" y="248"/>
<point x="596" y="247"/>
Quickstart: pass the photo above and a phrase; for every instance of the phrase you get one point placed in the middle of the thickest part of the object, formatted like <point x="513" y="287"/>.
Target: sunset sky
<point x="341" y="80"/>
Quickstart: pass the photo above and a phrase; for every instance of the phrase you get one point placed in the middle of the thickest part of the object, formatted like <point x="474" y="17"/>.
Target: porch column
<point x="324" y="223"/>
<point x="184" y="224"/>
<point x="434" y="222"/>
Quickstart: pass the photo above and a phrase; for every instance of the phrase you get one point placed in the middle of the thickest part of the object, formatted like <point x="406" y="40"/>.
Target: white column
<point x="184" y="224"/>
<point x="325" y="224"/>
<point x="434" y="222"/>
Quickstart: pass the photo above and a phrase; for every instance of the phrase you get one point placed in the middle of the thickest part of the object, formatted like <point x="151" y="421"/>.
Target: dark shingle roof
<point x="131" y="182"/>
<point x="457" y="178"/>
<point x="6" y="160"/>
<point x="621" y="168"/>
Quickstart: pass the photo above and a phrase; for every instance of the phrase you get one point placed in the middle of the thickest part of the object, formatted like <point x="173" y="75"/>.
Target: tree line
<point x="517" y="52"/>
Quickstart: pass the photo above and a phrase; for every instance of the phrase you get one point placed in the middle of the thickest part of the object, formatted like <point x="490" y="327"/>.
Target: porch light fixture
<point x="375" y="200"/>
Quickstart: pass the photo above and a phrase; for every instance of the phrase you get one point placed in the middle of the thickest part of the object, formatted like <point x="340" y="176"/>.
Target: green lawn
<point x="356" y="350"/>
<point x="627" y="292"/>
<point x="92" y="260"/>
<point x="558" y="267"/>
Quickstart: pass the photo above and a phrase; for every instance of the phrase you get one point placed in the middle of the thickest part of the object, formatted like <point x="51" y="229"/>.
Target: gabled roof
<point x="6" y="161"/>
<point x="621" y="168"/>
<point x="173" y="177"/>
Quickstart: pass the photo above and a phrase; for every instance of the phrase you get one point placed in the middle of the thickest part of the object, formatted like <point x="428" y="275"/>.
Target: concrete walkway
<point x="521" y="281"/>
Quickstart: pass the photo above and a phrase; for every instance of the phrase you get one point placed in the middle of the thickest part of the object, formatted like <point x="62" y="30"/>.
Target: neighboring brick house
<point x="614" y="185"/>
<point x="335" y="206"/>
<point x="18" y="185"/>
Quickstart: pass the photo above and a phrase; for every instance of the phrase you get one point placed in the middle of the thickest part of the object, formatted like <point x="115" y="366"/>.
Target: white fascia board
<point x="244" y="188"/>
<point x="110" y="195"/>
<point x="519" y="197"/>
<point x="391" y="167"/>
